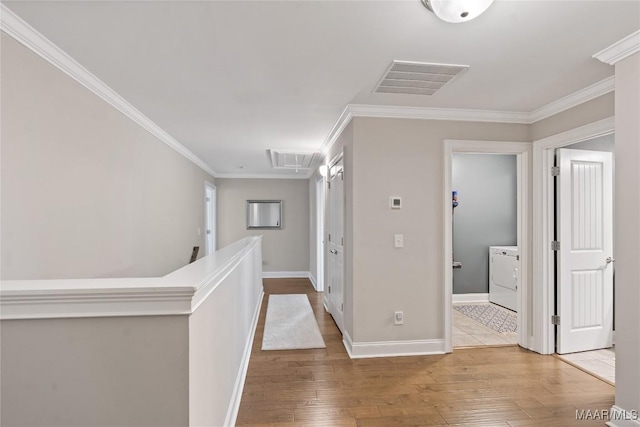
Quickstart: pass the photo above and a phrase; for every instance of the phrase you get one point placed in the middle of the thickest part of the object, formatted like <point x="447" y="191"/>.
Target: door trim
<point x="522" y="150"/>
<point x="214" y="228"/>
<point x="543" y="219"/>
<point x="320" y="227"/>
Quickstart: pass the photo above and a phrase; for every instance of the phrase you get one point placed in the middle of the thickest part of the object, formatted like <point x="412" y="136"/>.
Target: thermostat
<point x="395" y="202"/>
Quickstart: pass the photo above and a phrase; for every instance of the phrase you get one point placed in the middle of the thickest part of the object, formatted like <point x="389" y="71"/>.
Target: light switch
<point x="398" y="240"/>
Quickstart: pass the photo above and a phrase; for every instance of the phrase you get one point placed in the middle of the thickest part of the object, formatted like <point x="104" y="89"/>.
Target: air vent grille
<point x="292" y="160"/>
<point x="415" y="78"/>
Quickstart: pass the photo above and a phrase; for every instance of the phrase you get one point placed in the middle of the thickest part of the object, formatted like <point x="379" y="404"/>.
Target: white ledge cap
<point x="178" y="293"/>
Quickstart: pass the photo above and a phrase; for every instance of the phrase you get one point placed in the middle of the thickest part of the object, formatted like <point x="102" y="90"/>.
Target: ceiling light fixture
<point x="456" y="11"/>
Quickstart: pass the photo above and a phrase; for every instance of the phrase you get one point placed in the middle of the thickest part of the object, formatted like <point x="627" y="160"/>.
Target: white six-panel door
<point x="335" y="244"/>
<point x="585" y="260"/>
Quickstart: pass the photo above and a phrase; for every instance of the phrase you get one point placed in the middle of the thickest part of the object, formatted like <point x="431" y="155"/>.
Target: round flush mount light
<point x="456" y="11"/>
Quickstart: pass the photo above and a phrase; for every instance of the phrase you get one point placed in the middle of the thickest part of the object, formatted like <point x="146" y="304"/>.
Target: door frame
<point x="522" y="151"/>
<point x="320" y="227"/>
<point x="327" y="215"/>
<point x="214" y="232"/>
<point x="544" y="297"/>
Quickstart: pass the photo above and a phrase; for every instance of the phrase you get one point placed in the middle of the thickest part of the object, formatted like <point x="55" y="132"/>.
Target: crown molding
<point x="427" y="113"/>
<point x="306" y="175"/>
<point x="12" y="25"/>
<point x="579" y="97"/>
<point x="620" y="49"/>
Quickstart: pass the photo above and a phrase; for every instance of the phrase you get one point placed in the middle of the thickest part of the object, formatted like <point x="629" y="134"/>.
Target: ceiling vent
<point x="417" y="78"/>
<point x="292" y="160"/>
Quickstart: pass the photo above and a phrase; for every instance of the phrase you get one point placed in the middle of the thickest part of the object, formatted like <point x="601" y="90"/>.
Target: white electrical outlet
<point x="398" y="240"/>
<point x="398" y="318"/>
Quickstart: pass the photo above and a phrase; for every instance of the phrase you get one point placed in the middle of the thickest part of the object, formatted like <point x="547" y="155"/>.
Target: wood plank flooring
<point x="505" y="386"/>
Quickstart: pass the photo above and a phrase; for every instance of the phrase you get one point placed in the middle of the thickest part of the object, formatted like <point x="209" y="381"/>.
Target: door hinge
<point x="208" y="231"/>
<point x="555" y="245"/>
<point x="329" y="236"/>
<point x="329" y="185"/>
<point x="555" y="170"/>
<point x="342" y="241"/>
<point x="341" y="307"/>
<point x="555" y="319"/>
<point x="329" y="288"/>
<point x="517" y="257"/>
<point x="208" y="199"/>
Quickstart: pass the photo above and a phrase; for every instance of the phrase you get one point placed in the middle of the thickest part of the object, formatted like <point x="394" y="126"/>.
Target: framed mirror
<point x="265" y="214"/>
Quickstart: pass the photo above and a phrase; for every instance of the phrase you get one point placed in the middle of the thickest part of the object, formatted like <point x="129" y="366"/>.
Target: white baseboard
<point x="285" y="274"/>
<point x="234" y="404"/>
<point x="458" y="298"/>
<point x="360" y="350"/>
<point x="313" y="281"/>
<point x="621" y="418"/>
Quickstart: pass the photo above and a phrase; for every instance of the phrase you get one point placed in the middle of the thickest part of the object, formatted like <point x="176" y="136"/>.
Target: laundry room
<point x="485" y="249"/>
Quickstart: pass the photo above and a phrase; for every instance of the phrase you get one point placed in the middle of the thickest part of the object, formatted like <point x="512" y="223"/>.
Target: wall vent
<point x="292" y="159"/>
<point x="417" y="78"/>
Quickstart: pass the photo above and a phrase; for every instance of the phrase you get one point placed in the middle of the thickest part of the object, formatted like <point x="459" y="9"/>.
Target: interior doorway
<point x="210" y="217"/>
<point x="334" y="296"/>
<point x="544" y="272"/>
<point x="585" y="279"/>
<point x="486" y="256"/>
<point x="521" y="151"/>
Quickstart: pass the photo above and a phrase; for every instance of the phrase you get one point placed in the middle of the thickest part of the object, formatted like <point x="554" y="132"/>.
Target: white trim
<point x="618" y="412"/>
<point x="427" y="113"/>
<point x="620" y="49"/>
<point x="361" y="350"/>
<point x="583" y="95"/>
<point x="285" y="274"/>
<point x="313" y="281"/>
<point x="523" y="152"/>
<point x="178" y="293"/>
<point x="236" y="397"/>
<point x="543" y="271"/>
<point x="460" y="298"/>
<point x="214" y="226"/>
<point x="12" y="25"/>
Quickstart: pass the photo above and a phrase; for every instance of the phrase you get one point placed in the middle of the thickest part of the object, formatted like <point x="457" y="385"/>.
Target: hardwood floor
<point x="505" y="386"/>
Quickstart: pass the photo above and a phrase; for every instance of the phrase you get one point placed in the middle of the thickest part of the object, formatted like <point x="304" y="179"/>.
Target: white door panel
<point x="585" y="230"/>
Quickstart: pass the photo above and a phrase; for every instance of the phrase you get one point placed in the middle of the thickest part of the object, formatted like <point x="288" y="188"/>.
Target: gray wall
<point x="115" y="371"/>
<point x="402" y="157"/>
<point x="580" y="115"/>
<point x="627" y="233"/>
<point x="486" y="215"/>
<point x="282" y="250"/>
<point x="86" y="192"/>
<point x="602" y="143"/>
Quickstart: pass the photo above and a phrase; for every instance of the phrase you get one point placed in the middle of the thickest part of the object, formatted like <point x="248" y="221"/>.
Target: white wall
<point x="86" y="192"/>
<point x="282" y="250"/>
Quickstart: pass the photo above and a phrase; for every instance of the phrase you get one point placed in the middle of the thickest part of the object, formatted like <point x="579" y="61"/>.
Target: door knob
<point x="610" y="260"/>
<point x="333" y="251"/>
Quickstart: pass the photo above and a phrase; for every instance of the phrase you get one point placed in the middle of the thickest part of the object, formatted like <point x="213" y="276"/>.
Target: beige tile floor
<point x="468" y="333"/>
<point x="601" y="363"/>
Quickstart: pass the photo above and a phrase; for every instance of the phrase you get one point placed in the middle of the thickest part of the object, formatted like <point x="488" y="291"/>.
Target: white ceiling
<point x="230" y="80"/>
